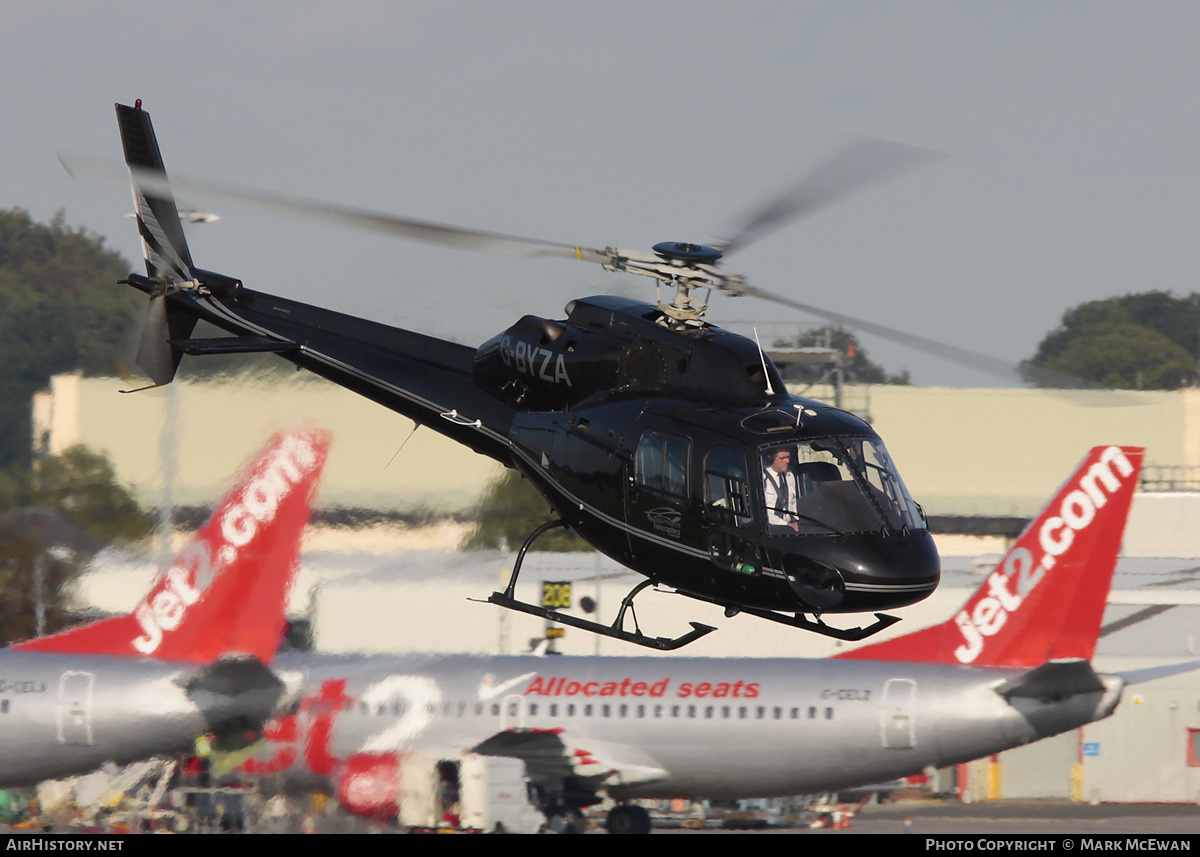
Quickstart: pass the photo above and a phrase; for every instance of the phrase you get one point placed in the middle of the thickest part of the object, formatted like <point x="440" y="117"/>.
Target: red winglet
<point x="1046" y="598"/>
<point x="226" y="591"/>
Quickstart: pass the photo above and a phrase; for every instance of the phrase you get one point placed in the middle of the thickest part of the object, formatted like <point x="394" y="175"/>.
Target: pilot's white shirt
<point x="771" y="492"/>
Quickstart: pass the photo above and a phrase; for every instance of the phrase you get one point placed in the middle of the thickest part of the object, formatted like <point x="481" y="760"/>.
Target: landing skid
<point x="819" y="627"/>
<point x="616" y="630"/>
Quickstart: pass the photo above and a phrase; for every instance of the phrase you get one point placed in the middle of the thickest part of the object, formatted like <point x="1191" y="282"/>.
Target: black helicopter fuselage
<point x="650" y="442"/>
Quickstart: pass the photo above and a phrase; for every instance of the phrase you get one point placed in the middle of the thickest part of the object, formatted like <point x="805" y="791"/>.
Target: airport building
<point x="962" y="452"/>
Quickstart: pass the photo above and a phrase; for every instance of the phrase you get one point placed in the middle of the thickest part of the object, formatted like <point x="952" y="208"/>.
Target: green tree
<point x="60" y="310"/>
<point x="1136" y="341"/>
<point x="82" y="485"/>
<point x="509" y="511"/>
<point x="27" y="558"/>
<point x="53" y="519"/>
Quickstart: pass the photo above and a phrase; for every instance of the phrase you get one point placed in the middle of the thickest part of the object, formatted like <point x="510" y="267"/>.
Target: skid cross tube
<point x="508" y="599"/>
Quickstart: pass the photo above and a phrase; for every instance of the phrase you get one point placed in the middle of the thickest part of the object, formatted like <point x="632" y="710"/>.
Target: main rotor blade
<point x="865" y="163"/>
<point x="993" y="366"/>
<point x="389" y="224"/>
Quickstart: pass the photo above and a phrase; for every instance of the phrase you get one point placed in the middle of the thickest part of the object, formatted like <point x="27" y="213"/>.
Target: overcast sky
<point x="1073" y="131"/>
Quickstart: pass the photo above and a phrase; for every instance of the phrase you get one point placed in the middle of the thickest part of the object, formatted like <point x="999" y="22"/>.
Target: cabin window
<point x="726" y="486"/>
<point x="661" y="464"/>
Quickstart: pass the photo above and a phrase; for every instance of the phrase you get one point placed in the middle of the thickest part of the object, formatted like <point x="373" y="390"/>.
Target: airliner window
<point x="661" y="464"/>
<point x="726" y="486"/>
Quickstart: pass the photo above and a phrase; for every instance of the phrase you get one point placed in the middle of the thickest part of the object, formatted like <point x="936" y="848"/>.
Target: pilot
<point x="780" y="489"/>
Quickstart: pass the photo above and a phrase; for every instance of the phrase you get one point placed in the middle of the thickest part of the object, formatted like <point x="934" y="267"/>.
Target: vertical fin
<point x="164" y="246"/>
<point x="163" y="243"/>
<point x="226" y="591"/>
<point x="1045" y="600"/>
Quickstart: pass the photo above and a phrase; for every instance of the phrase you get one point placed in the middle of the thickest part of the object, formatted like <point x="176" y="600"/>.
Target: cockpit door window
<point x="726" y="486"/>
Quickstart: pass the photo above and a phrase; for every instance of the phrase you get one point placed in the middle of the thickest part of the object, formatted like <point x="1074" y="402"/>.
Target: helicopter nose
<point x="817" y="585"/>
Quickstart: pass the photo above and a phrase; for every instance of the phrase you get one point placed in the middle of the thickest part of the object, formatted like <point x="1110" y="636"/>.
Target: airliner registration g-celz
<point x="190" y="658"/>
<point x="1009" y="668"/>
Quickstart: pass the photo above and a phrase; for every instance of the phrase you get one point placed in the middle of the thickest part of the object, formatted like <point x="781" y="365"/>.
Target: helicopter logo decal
<point x="665" y="520"/>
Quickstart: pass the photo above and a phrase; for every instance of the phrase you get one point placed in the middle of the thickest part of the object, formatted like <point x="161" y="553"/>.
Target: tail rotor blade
<point x="154" y="356"/>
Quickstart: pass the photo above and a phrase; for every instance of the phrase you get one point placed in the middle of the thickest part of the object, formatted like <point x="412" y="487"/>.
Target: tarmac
<point x="1006" y="817"/>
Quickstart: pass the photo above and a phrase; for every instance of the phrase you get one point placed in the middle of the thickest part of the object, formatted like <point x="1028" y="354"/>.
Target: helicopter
<point x="651" y="433"/>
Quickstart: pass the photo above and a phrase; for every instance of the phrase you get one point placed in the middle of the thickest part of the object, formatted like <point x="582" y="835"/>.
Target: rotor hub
<point x="689" y="254"/>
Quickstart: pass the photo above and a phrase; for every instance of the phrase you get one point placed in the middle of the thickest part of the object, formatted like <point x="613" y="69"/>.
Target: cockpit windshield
<point x="834" y="485"/>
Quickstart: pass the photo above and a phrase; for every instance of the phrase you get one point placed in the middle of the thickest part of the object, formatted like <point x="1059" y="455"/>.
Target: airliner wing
<point x="552" y="755"/>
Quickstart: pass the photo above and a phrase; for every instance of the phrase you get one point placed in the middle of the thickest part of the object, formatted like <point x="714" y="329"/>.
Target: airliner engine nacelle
<point x="369" y="785"/>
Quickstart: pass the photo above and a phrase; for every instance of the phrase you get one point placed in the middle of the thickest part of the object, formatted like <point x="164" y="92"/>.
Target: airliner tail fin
<point x="1045" y="600"/>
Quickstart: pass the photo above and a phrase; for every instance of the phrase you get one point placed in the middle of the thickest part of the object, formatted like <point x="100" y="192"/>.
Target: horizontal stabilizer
<point x="1056" y="680"/>
<point x="235" y="690"/>
<point x="232" y="677"/>
<point x="232" y="345"/>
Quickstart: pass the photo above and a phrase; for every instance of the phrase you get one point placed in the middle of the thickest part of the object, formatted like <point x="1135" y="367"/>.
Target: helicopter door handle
<point x="458" y="419"/>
